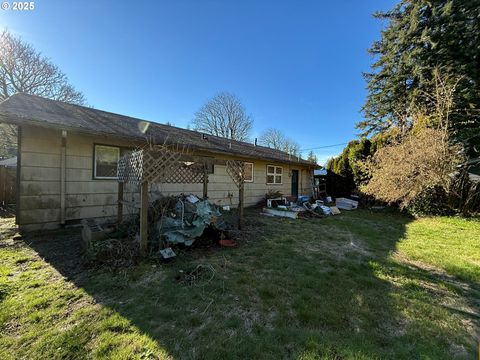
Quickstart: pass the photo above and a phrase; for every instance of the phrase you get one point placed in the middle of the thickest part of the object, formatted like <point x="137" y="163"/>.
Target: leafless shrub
<point x="403" y="170"/>
<point x="424" y="157"/>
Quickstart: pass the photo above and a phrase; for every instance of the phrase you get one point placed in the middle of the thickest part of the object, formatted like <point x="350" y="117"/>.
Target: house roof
<point x="24" y="109"/>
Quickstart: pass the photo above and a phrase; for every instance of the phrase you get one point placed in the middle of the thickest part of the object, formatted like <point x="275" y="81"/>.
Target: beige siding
<point x="86" y="197"/>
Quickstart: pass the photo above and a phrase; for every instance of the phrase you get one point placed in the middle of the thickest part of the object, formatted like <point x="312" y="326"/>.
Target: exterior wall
<point x="86" y="197"/>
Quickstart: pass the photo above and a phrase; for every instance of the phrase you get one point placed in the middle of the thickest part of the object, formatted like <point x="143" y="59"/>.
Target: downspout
<point x="18" y="220"/>
<point x="63" y="176"/>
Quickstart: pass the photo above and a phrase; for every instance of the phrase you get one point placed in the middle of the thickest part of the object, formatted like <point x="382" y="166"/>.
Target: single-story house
<point x="72" y="150"/>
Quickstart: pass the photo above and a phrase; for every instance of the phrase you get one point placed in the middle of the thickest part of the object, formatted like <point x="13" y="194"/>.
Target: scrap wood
<point x="281" y="213"/>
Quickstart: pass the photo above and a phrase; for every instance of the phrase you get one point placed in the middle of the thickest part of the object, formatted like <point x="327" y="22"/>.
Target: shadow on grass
<point x="325" y="288"/>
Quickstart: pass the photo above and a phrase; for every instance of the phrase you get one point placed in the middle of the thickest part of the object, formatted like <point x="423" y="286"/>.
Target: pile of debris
<point x="172" y="220"/>
<point x="291" y="207"/>
<point x="305" y="207"/>
<point x="105" y="246"/>
<point x="183" y="219"/>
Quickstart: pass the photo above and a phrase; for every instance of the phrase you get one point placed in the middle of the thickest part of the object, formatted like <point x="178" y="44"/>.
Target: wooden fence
<point x="8" y="177"/>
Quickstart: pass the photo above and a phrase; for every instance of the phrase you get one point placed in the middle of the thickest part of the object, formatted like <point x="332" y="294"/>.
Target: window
<point x="248" y="170"/>
<point x="209" y="164"/>
<point x="105" y="162"/>
<point x="274" y="174"/>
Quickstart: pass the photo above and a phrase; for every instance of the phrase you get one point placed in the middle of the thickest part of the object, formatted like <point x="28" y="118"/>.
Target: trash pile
<point x="305" y="207"/>
<point x="172" y="220"/>
<point x="293" y="208"/>
<point x="105" y="246"/>
<point x="183" y="219"/>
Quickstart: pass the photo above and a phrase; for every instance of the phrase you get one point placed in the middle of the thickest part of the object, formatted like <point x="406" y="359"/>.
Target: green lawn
<point x="355" y="286"/>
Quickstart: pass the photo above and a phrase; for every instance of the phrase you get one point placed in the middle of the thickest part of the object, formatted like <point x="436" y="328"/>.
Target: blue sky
<point x="296" y="65"/>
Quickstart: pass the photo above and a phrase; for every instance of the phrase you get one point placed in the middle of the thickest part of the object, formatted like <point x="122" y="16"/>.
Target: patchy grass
<point x="451" y="244"/>
<point x="358" y="285"/>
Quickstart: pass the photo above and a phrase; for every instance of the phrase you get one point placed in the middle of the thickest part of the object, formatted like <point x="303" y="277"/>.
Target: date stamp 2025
<point x="18" y="5"/>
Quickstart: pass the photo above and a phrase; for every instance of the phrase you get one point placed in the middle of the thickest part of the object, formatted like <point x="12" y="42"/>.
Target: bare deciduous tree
<point x="275" y="139"/>
<point x="23" y="69"/>
<point x="224" y="115"/>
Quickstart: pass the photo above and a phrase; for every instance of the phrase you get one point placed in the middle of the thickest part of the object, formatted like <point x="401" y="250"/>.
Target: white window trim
<point x="95" y="162"/>
<point x="274" y="174"/>
<point x="253" y="172"/>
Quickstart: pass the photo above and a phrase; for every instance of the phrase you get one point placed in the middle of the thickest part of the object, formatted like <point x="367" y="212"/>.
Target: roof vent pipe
<point x="229" y="145"/>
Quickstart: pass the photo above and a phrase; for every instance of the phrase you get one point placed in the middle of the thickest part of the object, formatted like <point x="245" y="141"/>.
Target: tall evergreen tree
<point x="422" y="36"/>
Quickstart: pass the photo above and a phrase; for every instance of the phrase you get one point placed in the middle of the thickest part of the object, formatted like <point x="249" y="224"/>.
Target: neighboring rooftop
<point x="24" y="109"/>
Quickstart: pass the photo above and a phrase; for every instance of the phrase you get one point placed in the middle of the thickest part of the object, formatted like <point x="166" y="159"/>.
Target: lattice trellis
<point x="161" y="165"/>
<point x="236" y="170"/>
<point x="130" y="167"/>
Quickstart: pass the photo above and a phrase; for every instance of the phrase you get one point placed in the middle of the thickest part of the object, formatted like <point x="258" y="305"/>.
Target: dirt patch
<point x="150" y="278"/>
<point x="395" y="328"/>
<point x="251" y="317"/>
<point x="338" y="244"/>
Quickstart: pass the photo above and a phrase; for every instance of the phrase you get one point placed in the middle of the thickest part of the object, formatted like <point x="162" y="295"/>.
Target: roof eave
<point x="14" y="119"/>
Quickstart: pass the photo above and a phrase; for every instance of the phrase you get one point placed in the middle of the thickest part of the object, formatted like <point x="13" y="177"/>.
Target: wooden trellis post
<point x="241" y="201"/>
<point x="205" y="181"/>
<point x="236" y="170"/>
<point x="144" y="217"/>
<point x="120" y="203"/>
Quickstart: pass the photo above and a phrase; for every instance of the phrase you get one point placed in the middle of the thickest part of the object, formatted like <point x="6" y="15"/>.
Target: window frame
<point x="253" y="172"/>
<point x="94" y="172"/>
<point x="274" y="174"/>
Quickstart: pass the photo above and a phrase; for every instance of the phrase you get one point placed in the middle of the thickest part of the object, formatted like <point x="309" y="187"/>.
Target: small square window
<point x="105" y="161"/>
<point x="274" y="174"/>
<point x="210" y="169"/>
